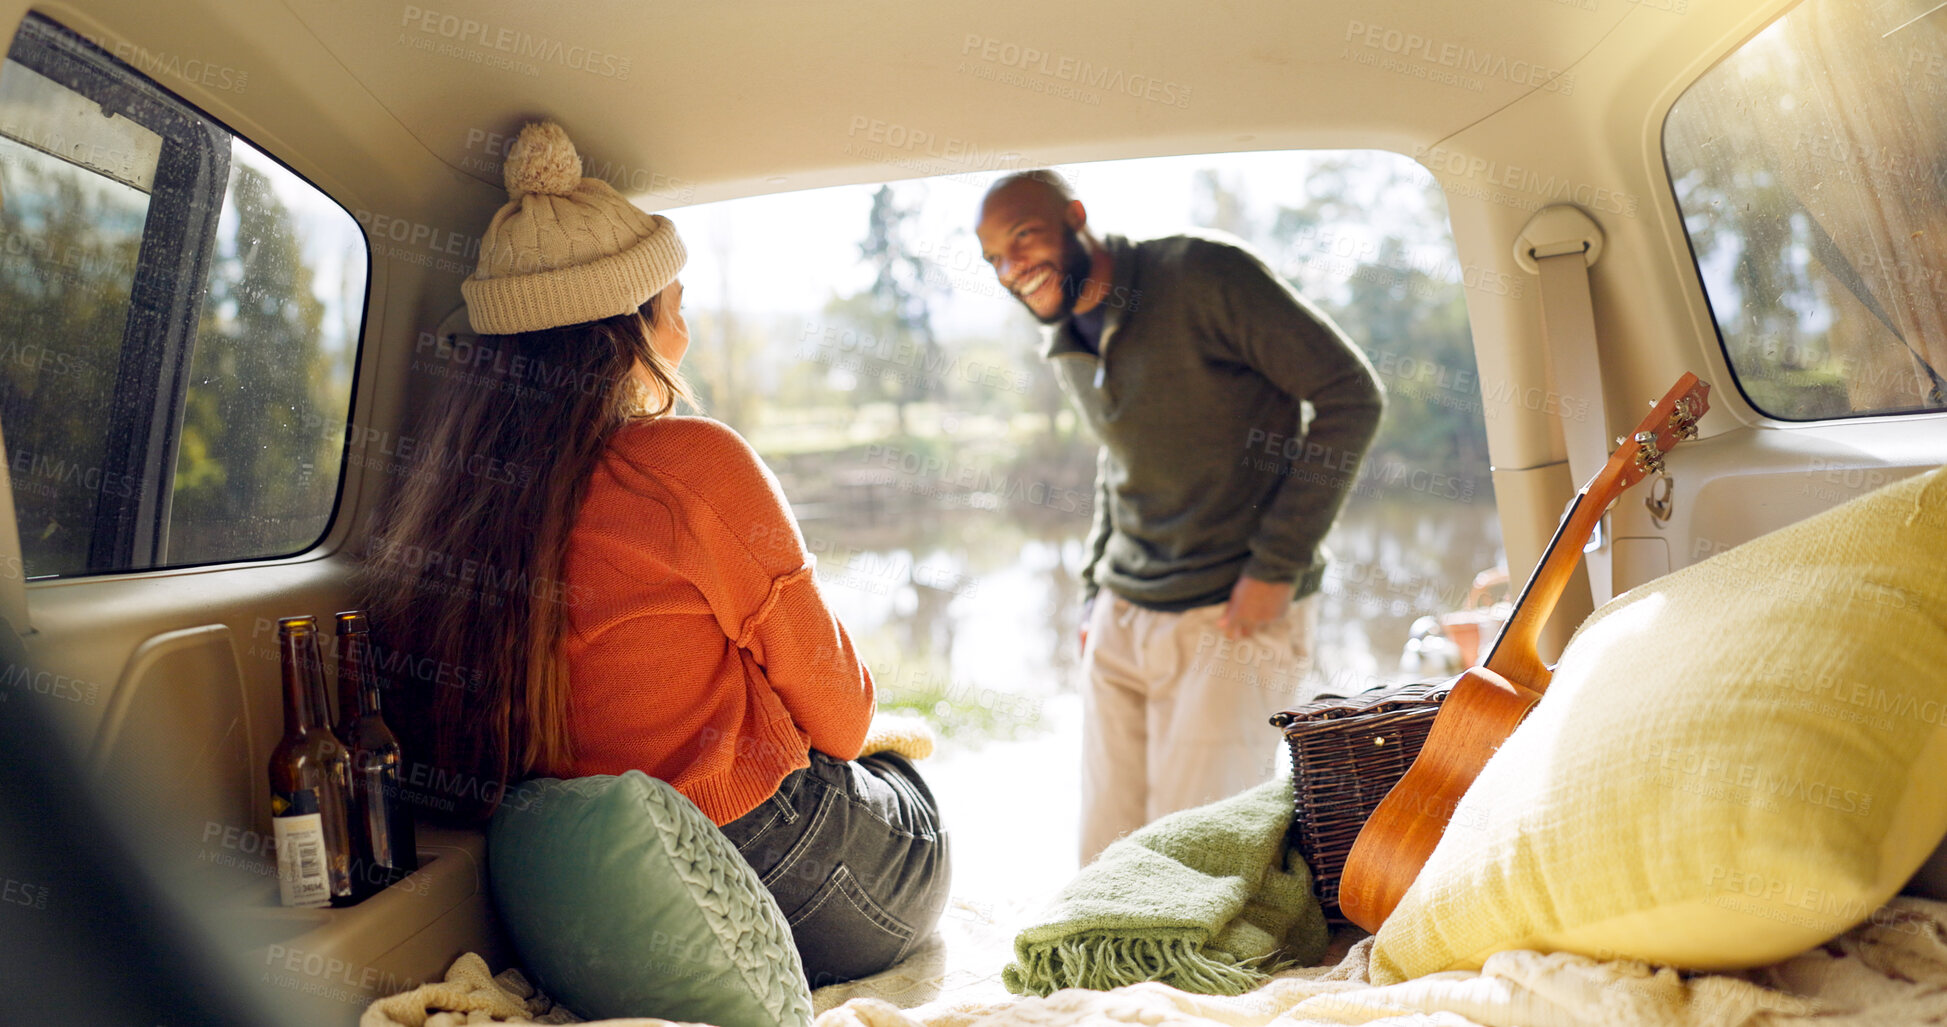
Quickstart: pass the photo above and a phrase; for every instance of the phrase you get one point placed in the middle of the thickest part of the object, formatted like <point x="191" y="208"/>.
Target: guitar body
<point x="1486" y="703"/>
<point x="1481" y="710"/>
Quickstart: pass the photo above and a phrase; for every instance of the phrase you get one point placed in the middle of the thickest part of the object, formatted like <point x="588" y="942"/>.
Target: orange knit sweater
<point x="699" y="650"/>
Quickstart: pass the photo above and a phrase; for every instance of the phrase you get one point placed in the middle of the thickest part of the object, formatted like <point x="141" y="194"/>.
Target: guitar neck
<point x="1670" y="421"/>
<point x="1514" y="655"/>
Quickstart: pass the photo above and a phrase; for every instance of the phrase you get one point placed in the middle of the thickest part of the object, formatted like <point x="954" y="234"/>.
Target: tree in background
<point x="1220" y="204"/>
<point x="1393" y="285"/>
<point x="259" y="455"/>
<point x="1807" y="169"/>
<point x="961" y="477"/>
<point x="65" y="276"/>
<point x="263" y="414"/>
<point x="846" y="347"/>
<point x="721" y="371"/>
<point x="902" y="296"/>
<point x="1741" y="213"/>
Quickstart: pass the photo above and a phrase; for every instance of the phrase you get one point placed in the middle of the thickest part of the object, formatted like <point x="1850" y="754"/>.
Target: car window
<point x="1807" y="168"/>
<point x="178" y="321"/>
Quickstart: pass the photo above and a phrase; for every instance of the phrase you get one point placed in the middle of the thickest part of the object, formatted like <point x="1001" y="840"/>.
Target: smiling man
<point x="1194" y="365"/>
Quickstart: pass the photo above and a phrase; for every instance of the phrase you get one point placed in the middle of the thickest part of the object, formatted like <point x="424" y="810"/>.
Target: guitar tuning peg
<point x="1649" y="458"/>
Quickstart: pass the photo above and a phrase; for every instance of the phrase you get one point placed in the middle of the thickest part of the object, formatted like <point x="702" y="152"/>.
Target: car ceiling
<point x="392" y="108"/>
<point x="741" y="98"/>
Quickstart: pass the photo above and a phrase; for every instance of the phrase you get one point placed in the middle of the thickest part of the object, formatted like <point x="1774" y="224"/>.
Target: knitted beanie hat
<point x="564" y="249"/>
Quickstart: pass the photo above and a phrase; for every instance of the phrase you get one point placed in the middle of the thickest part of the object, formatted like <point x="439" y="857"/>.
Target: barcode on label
<point x="310" y="865"/>
<point x="301" y="878"/>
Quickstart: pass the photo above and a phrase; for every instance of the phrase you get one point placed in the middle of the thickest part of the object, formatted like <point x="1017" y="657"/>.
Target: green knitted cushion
<point x="625" y="900"/>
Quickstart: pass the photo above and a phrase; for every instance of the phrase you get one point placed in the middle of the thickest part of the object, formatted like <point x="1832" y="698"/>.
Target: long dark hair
<point x="463" y="577"/>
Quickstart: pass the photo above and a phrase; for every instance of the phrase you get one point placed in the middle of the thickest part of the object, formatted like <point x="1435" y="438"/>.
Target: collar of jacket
<point x="1061" y="338"/>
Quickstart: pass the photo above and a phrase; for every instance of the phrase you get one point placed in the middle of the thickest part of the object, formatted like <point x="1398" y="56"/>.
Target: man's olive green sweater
<point x="1207" y="469"/>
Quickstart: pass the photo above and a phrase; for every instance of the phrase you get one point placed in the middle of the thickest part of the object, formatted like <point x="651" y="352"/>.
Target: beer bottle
<point x="382" y="822"/>
<point x="310" y="777"/>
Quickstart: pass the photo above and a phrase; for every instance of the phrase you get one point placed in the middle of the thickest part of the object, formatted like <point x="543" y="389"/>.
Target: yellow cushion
<point x="1734" y="762"/>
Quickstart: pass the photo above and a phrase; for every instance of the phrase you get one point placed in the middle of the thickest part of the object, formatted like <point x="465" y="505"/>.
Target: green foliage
<point x="1806" y="166"/>
<point x="263" y="415"/>
<point x="1798" y="392"/>
<point x="1399" y="297"/>
<point x="957" y="712"/>
<point x="870" y="485"/>
<point x="262" y="423"/>
<point x="896" y="310"/>
<point x="71" y="241"/>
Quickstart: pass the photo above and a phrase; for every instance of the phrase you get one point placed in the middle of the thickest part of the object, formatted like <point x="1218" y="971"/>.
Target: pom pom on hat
<point x="564" y="248"/>
<point x="542" y="161"/>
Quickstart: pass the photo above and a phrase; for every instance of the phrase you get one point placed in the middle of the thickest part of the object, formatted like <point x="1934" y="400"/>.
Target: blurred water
<point x="982" y="604"/>
<point x="987" y="602"/>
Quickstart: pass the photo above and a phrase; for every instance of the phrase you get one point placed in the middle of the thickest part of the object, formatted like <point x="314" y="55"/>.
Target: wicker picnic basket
<point x="1346" y="754"/>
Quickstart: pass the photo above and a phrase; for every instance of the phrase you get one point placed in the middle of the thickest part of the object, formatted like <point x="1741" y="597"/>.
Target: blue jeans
<point x="856" y="858"/>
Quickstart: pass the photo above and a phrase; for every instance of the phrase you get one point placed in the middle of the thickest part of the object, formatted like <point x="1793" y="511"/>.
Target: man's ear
<point x="1076" y="216"/>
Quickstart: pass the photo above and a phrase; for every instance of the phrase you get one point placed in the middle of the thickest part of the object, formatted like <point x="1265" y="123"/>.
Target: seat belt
<point x="1560" y="243"/>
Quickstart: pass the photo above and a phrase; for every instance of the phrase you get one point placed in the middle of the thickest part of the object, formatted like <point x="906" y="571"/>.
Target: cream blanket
<point x="1892" y="970"/>
<point x="470" y="994"/>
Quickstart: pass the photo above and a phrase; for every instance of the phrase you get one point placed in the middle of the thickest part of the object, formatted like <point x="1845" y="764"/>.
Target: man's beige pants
<point x="1175" y="715"/>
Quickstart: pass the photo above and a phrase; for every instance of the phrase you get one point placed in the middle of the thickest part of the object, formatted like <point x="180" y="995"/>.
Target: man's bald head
<point x="1040" y="186"/>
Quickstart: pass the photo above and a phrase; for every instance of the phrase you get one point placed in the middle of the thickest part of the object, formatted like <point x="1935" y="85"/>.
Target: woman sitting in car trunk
<point x="627" y="589"/>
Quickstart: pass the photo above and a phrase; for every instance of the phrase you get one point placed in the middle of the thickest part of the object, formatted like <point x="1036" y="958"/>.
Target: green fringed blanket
<point x="1206" y="900"/>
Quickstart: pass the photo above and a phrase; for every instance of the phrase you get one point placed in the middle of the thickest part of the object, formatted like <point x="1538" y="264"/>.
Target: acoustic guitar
<point x="1486" y="703"/>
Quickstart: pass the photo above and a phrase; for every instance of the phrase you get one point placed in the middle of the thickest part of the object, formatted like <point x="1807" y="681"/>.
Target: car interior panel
<point x="384" y="128"/>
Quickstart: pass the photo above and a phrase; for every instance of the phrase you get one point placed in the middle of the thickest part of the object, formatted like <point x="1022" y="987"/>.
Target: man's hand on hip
<point x="1254" y="604"/>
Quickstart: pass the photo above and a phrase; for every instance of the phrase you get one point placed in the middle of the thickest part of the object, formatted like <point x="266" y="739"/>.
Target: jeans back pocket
<point x="843" y="934"/>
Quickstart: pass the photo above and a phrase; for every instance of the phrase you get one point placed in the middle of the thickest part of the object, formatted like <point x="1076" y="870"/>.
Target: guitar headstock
<point x="1671" y="420"/>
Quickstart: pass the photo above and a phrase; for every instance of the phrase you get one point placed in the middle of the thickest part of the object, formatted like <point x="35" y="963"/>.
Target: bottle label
<point x="298" y="827"/>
